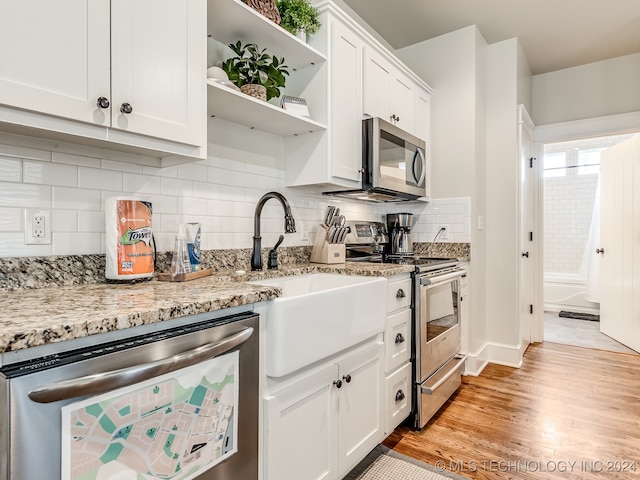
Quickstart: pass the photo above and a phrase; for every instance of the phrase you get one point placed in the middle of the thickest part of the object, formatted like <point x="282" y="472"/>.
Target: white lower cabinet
<point x="397" y="397"/>
<point x="325" y="420"/>
<point x="397" y="342"/>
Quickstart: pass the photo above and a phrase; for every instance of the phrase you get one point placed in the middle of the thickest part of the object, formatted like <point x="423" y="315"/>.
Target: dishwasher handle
<point x="107" y="381"/>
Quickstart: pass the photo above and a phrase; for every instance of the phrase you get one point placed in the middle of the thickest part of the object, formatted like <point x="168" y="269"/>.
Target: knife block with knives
<point x="325" y="252"/>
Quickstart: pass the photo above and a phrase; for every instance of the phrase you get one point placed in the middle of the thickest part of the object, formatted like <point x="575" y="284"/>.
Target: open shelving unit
<point x="245" y="110"/>
<point x="231" y="20"/>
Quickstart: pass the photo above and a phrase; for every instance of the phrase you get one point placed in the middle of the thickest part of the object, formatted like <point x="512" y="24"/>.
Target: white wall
<point x="221" y="192"/>
<point x="568" y="208"/>
<point x="502" y="193"/>
<point x="454" y="66"/>
<point x="447" y="64"/>
<point x="476" y="91"/>
<point x="598" y="89"/>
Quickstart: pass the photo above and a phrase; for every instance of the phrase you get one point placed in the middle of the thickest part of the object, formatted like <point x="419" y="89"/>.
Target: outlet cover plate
<point x="31" y="226"/>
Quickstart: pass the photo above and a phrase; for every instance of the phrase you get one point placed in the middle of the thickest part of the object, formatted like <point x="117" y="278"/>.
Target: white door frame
<point x="565" y="131"/>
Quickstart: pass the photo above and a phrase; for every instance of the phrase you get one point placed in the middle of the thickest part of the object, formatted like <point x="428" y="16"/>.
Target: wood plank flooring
<point x="565" y="404"/>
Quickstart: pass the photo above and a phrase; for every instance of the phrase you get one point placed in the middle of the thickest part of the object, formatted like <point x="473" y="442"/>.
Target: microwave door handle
<point x="107" y="381"/>
<point x="418" y="156"/>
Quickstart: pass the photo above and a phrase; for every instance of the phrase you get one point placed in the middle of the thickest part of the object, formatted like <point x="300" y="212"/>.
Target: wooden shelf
<point x="239" y="108"/>
<point x="231" y="20"/>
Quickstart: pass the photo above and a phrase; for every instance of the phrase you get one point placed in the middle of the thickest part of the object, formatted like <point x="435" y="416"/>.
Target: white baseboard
<point x="508" y="355"/>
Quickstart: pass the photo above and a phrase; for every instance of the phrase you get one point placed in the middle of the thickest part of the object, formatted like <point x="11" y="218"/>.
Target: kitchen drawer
<point x="398" y="295"/>
<point x="397" y="340"/>
<point x="436" y="390"/>
<point x="398" y="397"/>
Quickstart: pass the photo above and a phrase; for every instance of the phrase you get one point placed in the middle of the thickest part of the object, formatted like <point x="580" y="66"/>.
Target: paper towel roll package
<point x="129" y="239"/>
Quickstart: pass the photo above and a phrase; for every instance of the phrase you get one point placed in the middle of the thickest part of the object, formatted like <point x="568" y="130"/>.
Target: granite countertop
<point x="30" y="318"/>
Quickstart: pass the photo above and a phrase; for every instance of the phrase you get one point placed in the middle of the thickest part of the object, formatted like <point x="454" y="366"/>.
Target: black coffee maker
<point x="399" y="227"/>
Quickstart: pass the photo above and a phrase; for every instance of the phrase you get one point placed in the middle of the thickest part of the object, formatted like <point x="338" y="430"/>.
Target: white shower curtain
<point x="591" y="260"/>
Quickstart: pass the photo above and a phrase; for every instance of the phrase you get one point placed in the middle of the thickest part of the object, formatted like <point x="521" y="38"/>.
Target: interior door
<point x="620" y="243"/>
<point x="528" y="170"/>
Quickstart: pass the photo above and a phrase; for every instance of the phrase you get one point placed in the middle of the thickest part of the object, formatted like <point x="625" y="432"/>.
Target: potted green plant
<point x="256" y="73"/>
<point x="298" y="16"/>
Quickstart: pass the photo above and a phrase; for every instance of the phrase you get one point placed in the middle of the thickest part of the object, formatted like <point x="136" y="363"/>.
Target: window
<point x="554" y="164"/>
<point x="589" y="161"/>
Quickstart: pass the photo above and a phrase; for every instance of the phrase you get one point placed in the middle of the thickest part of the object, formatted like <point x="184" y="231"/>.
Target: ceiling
<point x="554" y="34"/>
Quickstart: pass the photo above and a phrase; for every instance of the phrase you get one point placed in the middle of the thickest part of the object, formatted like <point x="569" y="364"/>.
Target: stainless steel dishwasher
<point x="180" y="403"/>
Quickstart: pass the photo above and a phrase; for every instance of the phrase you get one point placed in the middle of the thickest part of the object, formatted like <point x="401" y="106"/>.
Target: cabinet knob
<point x="338" y="383"/>
<point x="399" y="338"/>
<point x="600" y="250"/>
<point x="400" y="293"/>
<point x="103" y="102"/>
<point x="347" y="378"/>
<point x="126" y="108"/>
<point x="399" y="395"/>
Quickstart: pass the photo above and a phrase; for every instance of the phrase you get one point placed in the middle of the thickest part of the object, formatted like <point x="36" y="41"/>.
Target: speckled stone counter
<point x="460" y="251"/>
<point x="32" y="317"/>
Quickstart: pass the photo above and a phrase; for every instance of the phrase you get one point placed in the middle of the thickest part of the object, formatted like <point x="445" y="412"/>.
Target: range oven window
<point x="441" y="308"/>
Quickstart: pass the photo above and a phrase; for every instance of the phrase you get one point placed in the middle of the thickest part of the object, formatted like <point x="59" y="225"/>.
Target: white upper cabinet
<point x="158" y="49"/>
<point x="54" y="57"/>
<point x="346" y="102"/>
<point x="73" y="67"/>
<point x="391" y="95"/>
<point x="377" y="86"/>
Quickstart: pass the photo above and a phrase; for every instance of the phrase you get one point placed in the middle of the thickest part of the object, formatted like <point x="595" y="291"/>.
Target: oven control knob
<point x="399" y="395"/>
<point x="347" y="378"/>
<point x="400" y="293"/>
<point x="338" y="383"/>
<point x="399" y="338"/>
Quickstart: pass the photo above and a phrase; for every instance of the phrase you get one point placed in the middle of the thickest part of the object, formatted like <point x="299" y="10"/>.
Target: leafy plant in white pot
<point x="257" y="73"/>
<point x="298" y="17"/>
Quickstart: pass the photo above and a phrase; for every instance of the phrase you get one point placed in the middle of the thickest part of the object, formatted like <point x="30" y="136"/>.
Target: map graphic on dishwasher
<point x="175" y="426"/>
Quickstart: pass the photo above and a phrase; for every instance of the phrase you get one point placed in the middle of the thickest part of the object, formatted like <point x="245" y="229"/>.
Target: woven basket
<point x="268" y="8"/>
<point x="254" y="90"/>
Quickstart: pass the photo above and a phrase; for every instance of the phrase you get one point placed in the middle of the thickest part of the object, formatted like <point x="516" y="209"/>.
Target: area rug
<point x="383" y="463"/>
<point x="580" y="316"/>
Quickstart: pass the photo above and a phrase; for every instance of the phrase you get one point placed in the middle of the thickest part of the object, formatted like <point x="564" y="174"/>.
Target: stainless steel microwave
<point x="394" y="164"/>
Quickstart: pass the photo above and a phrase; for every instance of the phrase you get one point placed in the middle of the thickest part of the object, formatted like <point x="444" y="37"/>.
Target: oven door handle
<point x="107" y="381"/>
<point x="433" y="281"/>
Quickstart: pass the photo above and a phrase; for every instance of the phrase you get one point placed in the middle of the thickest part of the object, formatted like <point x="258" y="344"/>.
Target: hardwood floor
<point x="565" y="404"/>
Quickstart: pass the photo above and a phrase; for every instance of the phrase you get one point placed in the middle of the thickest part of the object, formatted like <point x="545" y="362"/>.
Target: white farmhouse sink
<point x="320" y="314"/>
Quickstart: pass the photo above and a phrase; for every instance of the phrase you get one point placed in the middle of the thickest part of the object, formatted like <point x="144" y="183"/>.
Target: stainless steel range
<point x="437" y="363"/>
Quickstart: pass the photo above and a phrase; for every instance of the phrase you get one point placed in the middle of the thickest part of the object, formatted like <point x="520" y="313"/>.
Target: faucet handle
<point x="273" y="255"/>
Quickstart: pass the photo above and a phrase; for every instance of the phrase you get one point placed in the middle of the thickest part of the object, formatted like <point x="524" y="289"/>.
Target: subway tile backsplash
<point x="219" y="193"/>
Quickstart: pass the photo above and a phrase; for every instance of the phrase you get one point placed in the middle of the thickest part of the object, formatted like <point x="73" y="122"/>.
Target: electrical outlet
<point x="37" y="227"/>
<point x="444" y="232"/>
<point x="304" y="235"/>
